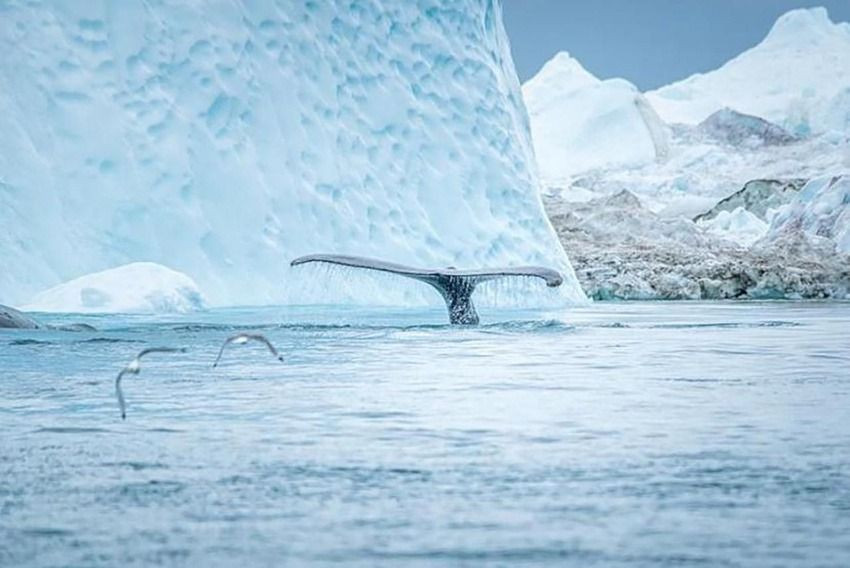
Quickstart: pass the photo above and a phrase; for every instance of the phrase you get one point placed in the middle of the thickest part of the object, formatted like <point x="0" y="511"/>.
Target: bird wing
<point x="120" y="393"/>
<point x="227" y="341"/>
<point x="251" y="336"/>
<point x="265" y="340"/>
<point x="147" y="350"/>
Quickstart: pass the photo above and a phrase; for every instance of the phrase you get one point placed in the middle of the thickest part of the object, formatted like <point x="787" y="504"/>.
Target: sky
<point x="649" y="42"/>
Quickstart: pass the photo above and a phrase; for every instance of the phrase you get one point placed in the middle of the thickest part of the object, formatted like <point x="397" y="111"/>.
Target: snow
<point x="798" y="77"/>
<point x="579" y="123"/>
<point x="224" y="139"/>
<point x="139" y="287"/>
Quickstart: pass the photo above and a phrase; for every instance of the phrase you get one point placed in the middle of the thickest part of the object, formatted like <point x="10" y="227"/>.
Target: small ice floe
<point x="138" y="287"/>
<point x="134" y="367"/>
<point x="243" y="338"/>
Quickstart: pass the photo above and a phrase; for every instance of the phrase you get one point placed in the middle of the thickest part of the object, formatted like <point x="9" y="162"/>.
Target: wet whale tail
<point x="455" y="286"/>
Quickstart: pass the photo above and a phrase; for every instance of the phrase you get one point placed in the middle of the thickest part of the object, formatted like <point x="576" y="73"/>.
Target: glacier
<point x="222" y="139"/>
<point x="798" y="77"/>
<point x="624" y="250"/>
<point x="821" y="209"/>
<point x="739" y="225"/>
<point x="719" y="209"/>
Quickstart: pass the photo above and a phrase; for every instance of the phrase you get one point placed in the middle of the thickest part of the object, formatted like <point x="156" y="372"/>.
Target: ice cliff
<point x="223" y="139"/>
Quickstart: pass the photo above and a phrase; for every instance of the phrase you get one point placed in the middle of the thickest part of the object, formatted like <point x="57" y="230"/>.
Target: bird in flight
<point x="134" y="367"/>
<point x="243" y="338"/>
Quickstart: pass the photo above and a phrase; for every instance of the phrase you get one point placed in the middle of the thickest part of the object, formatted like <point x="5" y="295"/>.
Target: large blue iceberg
<point x="223" y="139"/>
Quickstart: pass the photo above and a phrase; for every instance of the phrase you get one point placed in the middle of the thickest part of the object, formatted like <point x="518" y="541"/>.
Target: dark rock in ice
<point x="758" y="197"/>
<point x="12" y="318"/>
<point x="737" y="129"/>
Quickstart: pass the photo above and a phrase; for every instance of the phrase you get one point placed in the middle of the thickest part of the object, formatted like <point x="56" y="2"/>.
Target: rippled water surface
<point x="655" y="434"/>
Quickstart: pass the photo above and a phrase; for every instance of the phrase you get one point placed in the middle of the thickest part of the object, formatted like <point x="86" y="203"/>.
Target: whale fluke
<point x="454" y="285"/>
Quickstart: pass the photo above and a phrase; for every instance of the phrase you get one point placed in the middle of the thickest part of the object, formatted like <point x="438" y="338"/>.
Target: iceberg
<point x="225" y="139"/>
<point x="580" y="123"/>
<point x="139" y="287"/>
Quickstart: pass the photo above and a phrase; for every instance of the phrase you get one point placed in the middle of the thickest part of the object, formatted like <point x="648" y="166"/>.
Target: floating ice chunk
<point x="132" y="288"/>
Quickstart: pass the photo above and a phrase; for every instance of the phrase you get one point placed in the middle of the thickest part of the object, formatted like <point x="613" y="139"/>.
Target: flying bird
<point x="243" y="338"/>
<point x="133" y="368"/>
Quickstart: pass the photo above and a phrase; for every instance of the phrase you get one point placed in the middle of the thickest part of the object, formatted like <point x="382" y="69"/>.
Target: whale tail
<point x="455" y="286"/>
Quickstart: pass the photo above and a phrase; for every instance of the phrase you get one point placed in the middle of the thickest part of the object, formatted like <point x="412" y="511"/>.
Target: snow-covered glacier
<point x="798" y="77"/>
<point x="780" y="110"/>
<point x="718" y="209"/>
<point x="223" y="138"/>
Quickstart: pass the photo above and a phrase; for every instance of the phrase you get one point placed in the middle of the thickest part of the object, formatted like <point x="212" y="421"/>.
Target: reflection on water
<point x="653" y="434"/>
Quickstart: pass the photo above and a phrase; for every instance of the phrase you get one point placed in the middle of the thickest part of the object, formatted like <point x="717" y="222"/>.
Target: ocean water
<point x="630" y="434"/>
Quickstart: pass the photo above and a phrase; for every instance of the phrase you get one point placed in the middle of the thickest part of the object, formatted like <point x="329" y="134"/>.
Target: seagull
<point x="133" y="368"/>
<point x="243" y="338"/>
